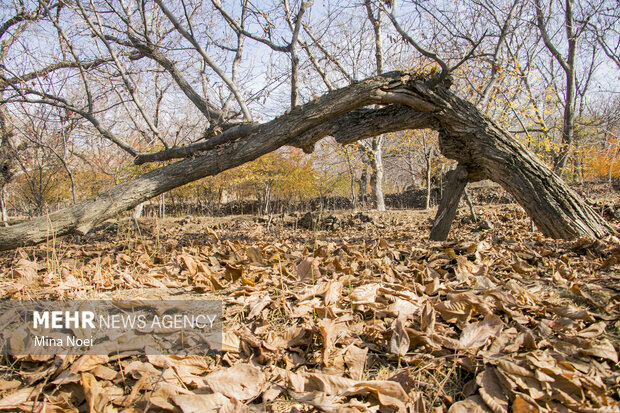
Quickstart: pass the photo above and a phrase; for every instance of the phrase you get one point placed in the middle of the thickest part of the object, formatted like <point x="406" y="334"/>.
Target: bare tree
<point x="574" y="29"/>
<point x="374" y="148"/>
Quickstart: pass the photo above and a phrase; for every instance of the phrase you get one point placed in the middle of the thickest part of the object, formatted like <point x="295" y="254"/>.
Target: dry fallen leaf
<point x="15" y="399"/>
<point x="355" y="359"/>
<point x="477" y="334"/>
<point x="493" y="393"/>
<point x="96" y="397"/>
<point x="399" y="342"/>
<point x="241" y="381"/>
<point x="308" y="269"/>
<point x="198" y="403"/>
<point x="473" y="404"/>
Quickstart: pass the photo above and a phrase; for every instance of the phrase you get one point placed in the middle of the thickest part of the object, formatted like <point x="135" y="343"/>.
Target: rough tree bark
<point x="457" y="180"/>
<point x="8" y="162"/>
<point x="376" y="177"/>
<point x="480" y="146"/>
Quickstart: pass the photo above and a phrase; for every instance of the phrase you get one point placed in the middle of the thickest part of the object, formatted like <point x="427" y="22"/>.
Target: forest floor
<point x="367" y="315"/>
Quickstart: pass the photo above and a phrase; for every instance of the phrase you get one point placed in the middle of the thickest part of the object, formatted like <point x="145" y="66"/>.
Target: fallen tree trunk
<point x="466" y="135"/>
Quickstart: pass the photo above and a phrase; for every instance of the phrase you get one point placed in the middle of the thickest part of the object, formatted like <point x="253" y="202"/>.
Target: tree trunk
<point x="486" y="150"/>
<point x="457" y="180"/>
<point x="376" y="180"/>
<point x="137" y="211"/>
<point x="489" y="152"/>
<point x="363" y="184"/>
<point x="3" y="211"/>
<point x="429" y="158"/>
<point x="470" y="204"/>
<point x="162" y="206"/>
<point x="352" y="180"/>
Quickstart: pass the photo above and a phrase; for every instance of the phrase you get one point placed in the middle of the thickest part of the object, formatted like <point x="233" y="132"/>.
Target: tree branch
<point x="231" y="85"/>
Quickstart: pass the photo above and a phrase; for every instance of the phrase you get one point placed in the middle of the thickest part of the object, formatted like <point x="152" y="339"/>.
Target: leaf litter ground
<point x="367" y="316"/>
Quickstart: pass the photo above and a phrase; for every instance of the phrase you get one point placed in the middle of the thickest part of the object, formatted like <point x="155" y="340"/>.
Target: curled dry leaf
<point x="601" y="348"/>
<point x="163" y="394"/>
<point x="399" y="342"/>
<point x="255" y="255"/>
<point x="494" y="394"/>
<point x="25" y="271"/>
<point x="95" y="396"/>
<point x="9" y="384"/>
<point x="190" y="264"/>
<point x="329" y="330"/>
<point x="389" y="393"/>
<point x="258" y="305"/>
<point x="333" y="293"/>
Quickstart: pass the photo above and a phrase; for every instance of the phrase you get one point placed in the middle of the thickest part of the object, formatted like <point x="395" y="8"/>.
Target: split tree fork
<point x="482" y="148"/>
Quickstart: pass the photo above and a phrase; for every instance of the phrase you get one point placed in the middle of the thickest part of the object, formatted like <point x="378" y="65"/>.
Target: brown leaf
<point x="326" y="383"/>
<point x="190" y="263"/>
<point x="241" y="381"/>
<point x="9" y="384"/>
<point x="308" y="269"/>
<point x="492" y="391"/>
<point x="163" y="394"/>
<point x="454" y="311"/>
<point x="254" y="255"/>
<point x="104" y="372"/>
<point x="364" y="294"/>
<point x="399" y="342"/>
<point x="355" y="359"/>
<point x="18" y="398"/>
<point x="230" y="342"/>
<point x="513" y="368"/>
<point x="427" y="318"/>
<point x="25" y="270"/>
<point x="88" y="362"/>
<point x="476" y="334"/>
<point x="473" y="404"/>
<point x="389" y="393"/>
<point x="603" y="349"/>
<point x="198" y="403"/>
<point x="519" y="405"/>
<point x="97" y="399"/>
<point x="333" y="294"/>
<point x="258" y="305"/>
<point x="571" y="312"/>
<point x="186" y="367"/>
<point x="234" y="406"/>
<point x="403" y="308"/>
<point x="329" y="330"/>
<point x="233" y="273"/>
<point x="593" y="330"/>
